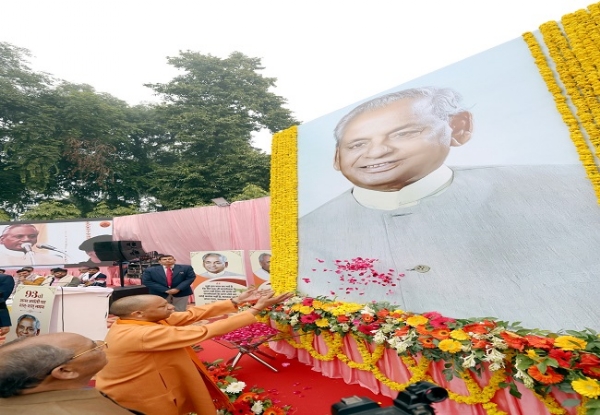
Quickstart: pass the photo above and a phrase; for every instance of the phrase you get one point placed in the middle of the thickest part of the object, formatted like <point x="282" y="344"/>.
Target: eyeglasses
<point x="100" y="344"/>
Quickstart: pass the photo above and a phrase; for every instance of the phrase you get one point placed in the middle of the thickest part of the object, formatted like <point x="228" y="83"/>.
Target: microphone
<point x="51" y="248"/>
<point x="44" y="246"/>
<point x="26" y="246"/>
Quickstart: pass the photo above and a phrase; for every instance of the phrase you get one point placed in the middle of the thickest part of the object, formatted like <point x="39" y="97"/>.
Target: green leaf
<point x="571" y="402"/>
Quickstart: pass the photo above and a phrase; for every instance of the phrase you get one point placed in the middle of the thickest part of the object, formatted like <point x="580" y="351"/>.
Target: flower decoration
<point x="356" y="273"/>
<point x="246" y="401"/>
<point x="253" y="334"/>
<point x="538" y="359"/>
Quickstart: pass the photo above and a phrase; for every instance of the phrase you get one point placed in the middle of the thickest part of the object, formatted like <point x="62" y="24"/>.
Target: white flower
<point x="345" y="327"/>
<point x="494" y="356"/>
<point x="294" y="320"/>
<point x="387" y="328"/>
<point x="368" y="310"/>
<point x="527" y="380"/>
<point x="379" y="337"/>
<point x="496" y="366"/>
<point x="235" y="387"/>
<point x="257" y="408"/>
<point x="469" y="361"/>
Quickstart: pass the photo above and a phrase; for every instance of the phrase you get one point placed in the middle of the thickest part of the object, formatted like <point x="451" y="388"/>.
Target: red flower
<point x="427" y="342"/>
<point x="382" y="314"/>
<point x="437" y="320"/>
<point x="589" y="364"/>
<point x="482" y="327"/>
<point x="549" y="378"/>
<point x="441" y="334"/>
<point x="343" y="319"/>
<point x="514" y="340"/>
<point x="402" y="332"/>
<point x="309" y="318"/>
<point x="367" y="318"/>
<point x="368" y="328"/>
<point x="563" y="357"/>
<point x="544" y="343"/>
<point x="307" y="301"/>
<point x="480" y="344"/>
<point x="421" y="329"/>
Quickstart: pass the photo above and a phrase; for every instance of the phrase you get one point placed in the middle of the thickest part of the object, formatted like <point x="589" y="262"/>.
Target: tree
<point x="52" y="210"/>
<point x="102" y="210"/>
<point x="210" y="112"/>
<point x="250" y="192"/>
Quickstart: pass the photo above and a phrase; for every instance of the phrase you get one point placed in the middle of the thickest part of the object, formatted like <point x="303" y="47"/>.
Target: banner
<point x="219" y="275"/>
<point x="31" y="311"/>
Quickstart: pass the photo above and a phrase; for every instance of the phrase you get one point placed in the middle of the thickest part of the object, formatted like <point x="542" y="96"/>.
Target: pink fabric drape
<point x="240" y="226"/>
<point x="393" y="367"/>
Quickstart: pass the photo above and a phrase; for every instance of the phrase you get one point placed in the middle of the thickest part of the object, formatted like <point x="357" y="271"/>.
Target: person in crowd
<point x="215" y="265"/>
<point x="61" y="278"/>
<point x="28" y="326"/>
<point x="152" y="367"/>
<point x="170" y="281"/>
<point x="18" y="247"/>
<point x="7" y="284"/>
<point x="26" y="277"/>
<point x="50" y="374"/>
<point x="94" y="278"/>
<point x="262" y="275"/>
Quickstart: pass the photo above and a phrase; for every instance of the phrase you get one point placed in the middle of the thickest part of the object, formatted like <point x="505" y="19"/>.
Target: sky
<point x="325" y="54"/>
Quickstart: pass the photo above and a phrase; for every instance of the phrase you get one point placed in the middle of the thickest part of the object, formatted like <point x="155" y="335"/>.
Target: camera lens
<point x="436" y="394"/>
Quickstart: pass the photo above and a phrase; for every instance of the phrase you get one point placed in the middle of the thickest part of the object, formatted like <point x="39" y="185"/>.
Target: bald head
<point x="43" y="363"/>
<point x="145" y="307"/>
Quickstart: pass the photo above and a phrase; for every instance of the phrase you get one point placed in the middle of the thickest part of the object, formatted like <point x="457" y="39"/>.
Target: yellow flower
<point x="459" y="335"/>
<point x="449" y="345"/>
<point x="415" y="321"/>
<point x="532" y="354"/>
<point x="322" y="322"/>
<point x="569" y="343"/>
<point x="296" y="307"/>
<point x="317" y="304"/>
<point x="306" y="309"/>
<point x="347" y="308"/>
<point x="588" y="387"/>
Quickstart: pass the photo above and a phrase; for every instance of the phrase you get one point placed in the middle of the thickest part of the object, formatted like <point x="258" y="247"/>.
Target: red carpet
<point x="295" y="384"/>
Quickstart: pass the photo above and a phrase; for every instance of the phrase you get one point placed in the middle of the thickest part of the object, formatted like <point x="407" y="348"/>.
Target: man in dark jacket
<point x="171" y="281"/>
<point x="7" y="284"/>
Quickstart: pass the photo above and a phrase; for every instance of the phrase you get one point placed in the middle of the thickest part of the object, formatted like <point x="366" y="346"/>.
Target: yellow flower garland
<point x="284" y="210"/>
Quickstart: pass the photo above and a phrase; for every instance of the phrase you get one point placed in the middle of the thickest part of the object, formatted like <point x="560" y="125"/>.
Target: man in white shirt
<point x="215" y="265"/>
<point x="17" y="247"/>
<point x="514" y="242"/>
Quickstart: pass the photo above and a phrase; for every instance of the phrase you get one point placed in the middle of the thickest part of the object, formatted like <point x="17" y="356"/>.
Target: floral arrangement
<point x="253" y="334"/>
<point x="540" y="360"/>
<point x="252" y="401"/>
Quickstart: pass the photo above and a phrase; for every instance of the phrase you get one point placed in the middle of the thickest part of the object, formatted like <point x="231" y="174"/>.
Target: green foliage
<point x="65" y="141"/>
<point x="52" y="210"/>
<point x="102" y="210"/>
<point x="249" y="192"/>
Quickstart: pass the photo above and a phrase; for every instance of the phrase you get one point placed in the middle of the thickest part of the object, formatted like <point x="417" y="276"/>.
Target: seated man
<point x="62" y="279"/>
<point x="94" y="278"/>
<point x="27" y="277"/>
<point x="49" y="374"/>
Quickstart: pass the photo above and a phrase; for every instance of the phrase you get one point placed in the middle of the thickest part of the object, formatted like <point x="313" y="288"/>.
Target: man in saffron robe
<point x="152" y="367"/>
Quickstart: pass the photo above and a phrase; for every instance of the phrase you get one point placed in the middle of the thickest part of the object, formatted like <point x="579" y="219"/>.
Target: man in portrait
<point x="511" y="241"/>
<point x="215" y="265"/>
<point x="18" y="247"/>
<point x="262" y="275"/>
<point x="28" y="326"/>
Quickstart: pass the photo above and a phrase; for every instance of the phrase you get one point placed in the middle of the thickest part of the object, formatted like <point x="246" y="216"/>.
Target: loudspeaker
<point x="120" y="251"/>
<point x="120" y="292"/>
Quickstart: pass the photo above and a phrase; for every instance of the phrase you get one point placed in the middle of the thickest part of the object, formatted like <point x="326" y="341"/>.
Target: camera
<point x="414" y="400"/>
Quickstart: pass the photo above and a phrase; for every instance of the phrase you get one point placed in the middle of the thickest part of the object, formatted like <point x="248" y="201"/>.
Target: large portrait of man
<point x="508" y="229"/>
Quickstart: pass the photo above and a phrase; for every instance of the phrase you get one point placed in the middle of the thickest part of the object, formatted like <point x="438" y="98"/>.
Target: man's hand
<point x="172" y="291"/>
<point x="269" y="299"/>
<point x="4" y="330"/>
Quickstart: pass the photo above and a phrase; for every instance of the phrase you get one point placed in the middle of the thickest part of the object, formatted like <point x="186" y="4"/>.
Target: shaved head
<point x="127" y="305"/>
<point x="145" y="307"/>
